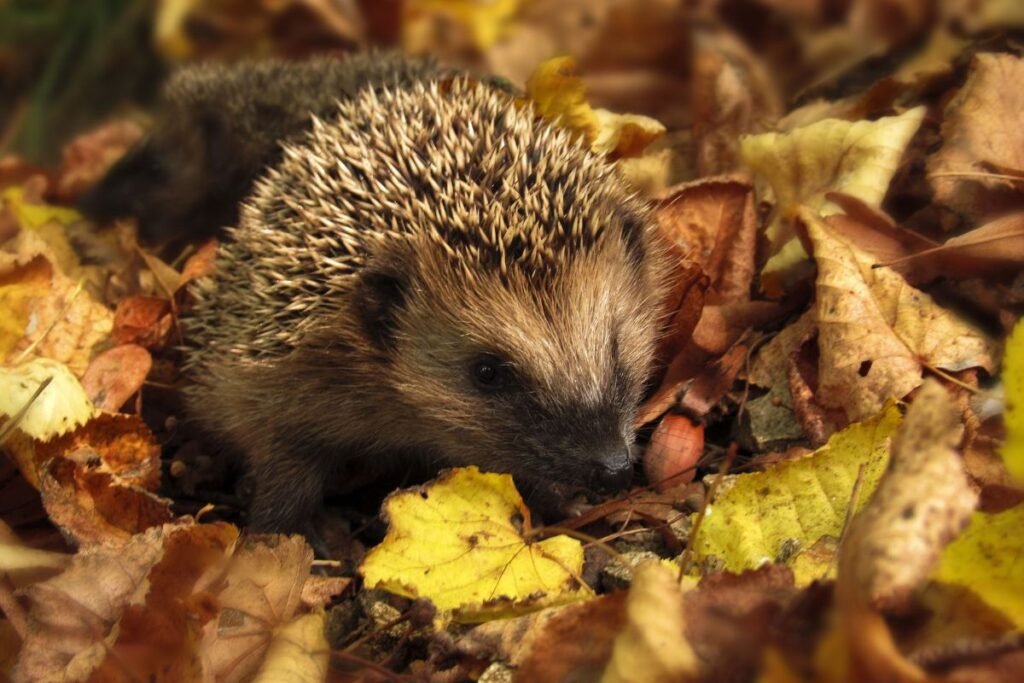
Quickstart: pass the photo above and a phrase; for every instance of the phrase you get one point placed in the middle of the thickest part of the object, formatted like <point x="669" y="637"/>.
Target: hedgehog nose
<point x="614" y="470"/>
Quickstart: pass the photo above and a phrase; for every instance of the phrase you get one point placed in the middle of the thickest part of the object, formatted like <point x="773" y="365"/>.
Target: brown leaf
<point x="577" y="643"/>
<point x="116" y="375"/>
<point x="128" y="608"/>
<point x="981" y="132"/>
<point x="994" y="250"/>
<point x="143" y="320"/>
<point x="720" y="327"/>
<point x="730" y="619"/>
<point x="121" y="445"/>
<point x="712" y="222"/>
<point x="685" y="301"/>
<point x="200" y="264"/>
<point x="94" y="507"/>
<point x="875" y="232"/>
<point x="922" y="502"/>
<point x="261" y="590"/>
<point x="733" y="95"/>
<point x="88" y="157"/>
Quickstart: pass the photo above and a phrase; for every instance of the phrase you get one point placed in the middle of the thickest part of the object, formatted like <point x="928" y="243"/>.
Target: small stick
<point x="684" y="559"/>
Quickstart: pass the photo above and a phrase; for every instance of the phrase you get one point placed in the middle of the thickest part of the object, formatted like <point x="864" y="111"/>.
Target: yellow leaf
<point x="986" y="558"/>
<point x="797" y="501"/>
<point x="557" y="92"/>
<point x="486" y="21"/>
<point x="624" y="135"/>
<point x="33" y="216"/>
<point x="1013" y="383"/>
<point x="14" y="556"/>
<point x="298" y="652"/>
<point x="44" y="309"/>
<point x="49" y="222"/>
<point x="856" y="158"/>
<point x="61" y="406"/>
<point x="463" y="542"/>
<point x="558" y="95"/>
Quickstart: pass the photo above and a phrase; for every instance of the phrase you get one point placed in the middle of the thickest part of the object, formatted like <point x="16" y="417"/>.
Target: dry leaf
<point x="876" y="333"/>
<point x="116" y="375"/>
<point x="982" y="139"/>
<point x="558" y="95"/>
<point x="259" y="592"/>
<point x="922" y="502"/>
<point x="143" y="320"/>
<point x="856" y="158"/>
<point x="570" y="641"/>
<point x="129" y="608"/>
<point x="793" y="504"/>
<point x="60" y="407"/>
<point x="733" y="95"/>
<point x="93" y="506"/>
<point x="652" y="647"/>
<point x="712" y="223"/>
<point x="49" y="312"/>
<point x="298" y="652"/>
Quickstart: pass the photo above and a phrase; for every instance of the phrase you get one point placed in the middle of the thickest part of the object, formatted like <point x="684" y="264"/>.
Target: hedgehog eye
<point x="490" y="373"/>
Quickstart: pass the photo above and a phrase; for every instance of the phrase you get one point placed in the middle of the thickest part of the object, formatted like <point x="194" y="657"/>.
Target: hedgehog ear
<point x="379" y="298"/>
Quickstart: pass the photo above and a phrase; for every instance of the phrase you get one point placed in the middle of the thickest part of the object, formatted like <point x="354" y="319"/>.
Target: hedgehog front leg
<point x="288" y="488"/>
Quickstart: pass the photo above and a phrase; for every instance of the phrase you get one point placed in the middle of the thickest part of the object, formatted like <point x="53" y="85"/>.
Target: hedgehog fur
<point x="219" y="127"/>
<point x="431" y="271"/>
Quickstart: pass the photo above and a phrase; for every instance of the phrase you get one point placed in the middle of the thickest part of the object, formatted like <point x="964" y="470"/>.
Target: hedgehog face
<point x="537" y="374"/>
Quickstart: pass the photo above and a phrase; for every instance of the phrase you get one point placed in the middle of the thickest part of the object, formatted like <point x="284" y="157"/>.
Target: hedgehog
<point x="221" y="126"/>
<point x="429" y="274"/>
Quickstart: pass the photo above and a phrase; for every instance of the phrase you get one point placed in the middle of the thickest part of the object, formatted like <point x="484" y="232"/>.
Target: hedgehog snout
<point x="612" y="469"/>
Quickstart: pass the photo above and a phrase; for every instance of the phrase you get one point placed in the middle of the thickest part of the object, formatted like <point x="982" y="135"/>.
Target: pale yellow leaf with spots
<point x="1013" y="382"/>
<point x="464" y="542"/>
<point x="856" y="158"/>
<point x="60" y="407"/>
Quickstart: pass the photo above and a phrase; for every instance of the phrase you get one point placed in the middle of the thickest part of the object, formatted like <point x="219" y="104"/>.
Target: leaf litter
<point x="841" y="326"/>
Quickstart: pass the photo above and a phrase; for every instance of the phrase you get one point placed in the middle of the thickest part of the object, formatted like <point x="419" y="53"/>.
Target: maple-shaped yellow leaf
<point x="856" y="158"/>
<point x="463" y="542"/>
<point x="796" y="502"/>
<point x="60" y="407"/>
<point x="986" y="558"/>
<point x="557" y="92"/>
<point x="876" y="332"/>
<point x="1013" y="384"/>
